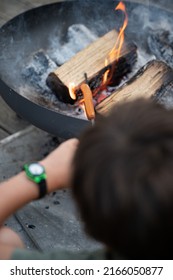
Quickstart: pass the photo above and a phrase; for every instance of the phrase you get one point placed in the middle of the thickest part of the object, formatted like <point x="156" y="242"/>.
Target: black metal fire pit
<point x="33" y="32"/>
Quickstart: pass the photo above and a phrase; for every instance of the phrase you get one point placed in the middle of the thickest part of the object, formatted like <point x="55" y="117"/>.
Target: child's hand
<point x="58" y="165"/>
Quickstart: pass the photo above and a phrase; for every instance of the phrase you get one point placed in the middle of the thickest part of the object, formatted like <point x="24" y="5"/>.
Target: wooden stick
<point x="88" y="101"/>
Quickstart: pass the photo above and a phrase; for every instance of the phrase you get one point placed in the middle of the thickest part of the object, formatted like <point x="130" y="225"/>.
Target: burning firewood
<point x="92" y="61"/>
<point x="151" y="80"/>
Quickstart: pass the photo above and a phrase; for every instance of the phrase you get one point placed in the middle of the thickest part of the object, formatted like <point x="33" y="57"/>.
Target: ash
<point x="41" y="63"/>
<point x="78" y="37"/>
<point x="157" y="40"/>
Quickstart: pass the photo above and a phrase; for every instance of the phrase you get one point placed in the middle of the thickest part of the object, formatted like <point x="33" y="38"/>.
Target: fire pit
<point x="35" y="43"/>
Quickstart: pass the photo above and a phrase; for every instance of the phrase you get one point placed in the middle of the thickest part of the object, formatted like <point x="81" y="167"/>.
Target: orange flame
<point x="72" y="90"/>
<point x="116" y="51"/>
<point x="87" y="103"/>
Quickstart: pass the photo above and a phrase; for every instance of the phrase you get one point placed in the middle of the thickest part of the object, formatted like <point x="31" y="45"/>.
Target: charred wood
<point x="59" y="89"/>
<point x="118" y="69"/>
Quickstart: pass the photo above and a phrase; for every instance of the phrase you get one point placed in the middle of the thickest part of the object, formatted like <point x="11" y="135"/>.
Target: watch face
<point x="36" y="169"/>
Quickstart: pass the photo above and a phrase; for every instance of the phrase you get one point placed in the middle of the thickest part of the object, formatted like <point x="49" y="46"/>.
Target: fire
<point x="114" y="54"/>
<point x="72" y="90"/>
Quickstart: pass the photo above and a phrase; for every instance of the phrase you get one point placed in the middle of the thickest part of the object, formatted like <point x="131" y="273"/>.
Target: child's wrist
<point x="54" y="178"/>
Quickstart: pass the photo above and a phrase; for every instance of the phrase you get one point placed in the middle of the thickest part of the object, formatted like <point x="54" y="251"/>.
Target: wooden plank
<point x="146" y="83"/>
<point x="90" y="60"/>
<point x="3" y="133"/>
<point x="14" y="224"/>
<point x="9" y="9"/>
<point x="29" y="144"/>
<point x="9" y="121"/>
<point x="53" y="223"/>
<point x="37" y="3"/>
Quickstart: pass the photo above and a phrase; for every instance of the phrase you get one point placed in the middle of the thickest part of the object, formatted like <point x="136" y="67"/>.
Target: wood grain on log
<point x="146" y="83"/>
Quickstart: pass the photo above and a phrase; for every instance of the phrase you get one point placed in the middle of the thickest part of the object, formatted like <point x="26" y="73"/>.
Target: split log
<point x="91" y="60"/>
<point x="152" y="79"/>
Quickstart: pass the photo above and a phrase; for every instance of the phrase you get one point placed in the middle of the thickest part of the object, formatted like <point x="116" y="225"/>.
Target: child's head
<point x="123" y="180"/>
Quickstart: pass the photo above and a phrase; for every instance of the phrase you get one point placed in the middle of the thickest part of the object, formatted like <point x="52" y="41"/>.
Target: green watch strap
<point x="39" y="179"/>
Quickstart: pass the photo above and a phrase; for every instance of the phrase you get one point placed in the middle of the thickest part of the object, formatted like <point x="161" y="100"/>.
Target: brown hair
<point x="123" y="180"/>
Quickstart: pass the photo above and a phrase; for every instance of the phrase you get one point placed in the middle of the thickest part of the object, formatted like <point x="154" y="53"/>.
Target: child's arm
<point x="19" y="190"/>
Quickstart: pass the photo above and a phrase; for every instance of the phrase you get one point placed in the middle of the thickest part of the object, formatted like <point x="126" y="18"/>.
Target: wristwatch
<point x="36" y="173"/>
